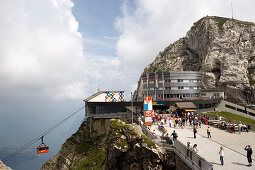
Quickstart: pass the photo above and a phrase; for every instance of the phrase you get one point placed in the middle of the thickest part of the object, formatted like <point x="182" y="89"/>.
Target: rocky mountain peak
<point x="223" y="49"/>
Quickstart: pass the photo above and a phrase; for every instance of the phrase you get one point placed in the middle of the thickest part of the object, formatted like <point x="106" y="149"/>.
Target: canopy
<point x="185" y="105"/>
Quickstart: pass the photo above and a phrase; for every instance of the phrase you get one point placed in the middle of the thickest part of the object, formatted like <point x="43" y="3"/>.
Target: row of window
<point x="174" y="96"/>
<point x="173" y="81"/>
<point x="175" y="88"/>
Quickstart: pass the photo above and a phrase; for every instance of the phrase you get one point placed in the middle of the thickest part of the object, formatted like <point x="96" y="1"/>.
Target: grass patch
<point x="148" y="141"/>
<point x="233" y="117"/>
<point x="94" y="161"/>
<point x="119" y="128"/>
<point x="122" y="143"/>
<point x="84" y="147"/>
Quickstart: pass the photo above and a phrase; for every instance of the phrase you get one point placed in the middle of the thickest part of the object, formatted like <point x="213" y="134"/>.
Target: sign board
<point x="148" y="112"/>
<point x="148" y="121"/>
<point x="148" y="103"/>
<point x="158" y="103"/>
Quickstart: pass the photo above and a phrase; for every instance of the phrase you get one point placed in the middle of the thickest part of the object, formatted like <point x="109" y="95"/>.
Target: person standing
<point x="221" y="153"/>
<point x="240" y="127"/>
<point x="189" y="148"/>
<point x="195" y="149"/>
<point x="194" y="131"/>
<point x="209" y="132"/>
<point x="249" y="153"/>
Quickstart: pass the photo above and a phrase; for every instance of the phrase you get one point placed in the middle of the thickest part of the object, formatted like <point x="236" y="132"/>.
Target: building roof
<point x="98" y="93"/>
<point x="185" y="105"/>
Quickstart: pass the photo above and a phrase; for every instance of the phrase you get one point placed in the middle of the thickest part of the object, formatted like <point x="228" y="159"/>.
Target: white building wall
<point x="99" y="98"/>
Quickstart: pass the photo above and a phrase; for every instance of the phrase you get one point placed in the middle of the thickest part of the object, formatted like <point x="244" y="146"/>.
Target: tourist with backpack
<point x="174" y="134"/>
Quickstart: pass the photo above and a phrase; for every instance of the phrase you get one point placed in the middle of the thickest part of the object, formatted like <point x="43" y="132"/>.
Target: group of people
<point x="196" y="121"/>
<point x="194" y="148"/>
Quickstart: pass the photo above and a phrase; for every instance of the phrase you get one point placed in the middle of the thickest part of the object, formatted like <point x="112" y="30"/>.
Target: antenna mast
<point x="232" y="10"/>
<point x="98" y="89"/>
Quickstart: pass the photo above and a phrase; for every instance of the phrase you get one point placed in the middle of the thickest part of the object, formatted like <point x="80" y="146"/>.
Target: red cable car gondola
<point x="42" y="148"/>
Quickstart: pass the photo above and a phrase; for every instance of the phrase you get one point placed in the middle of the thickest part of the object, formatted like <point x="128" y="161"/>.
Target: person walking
<point x="209" y="132"/>
<point x="249" y="153"/>
<point x="195" y="131"/>
<point x="174" y="134"/>
<point x="221" y="153"/>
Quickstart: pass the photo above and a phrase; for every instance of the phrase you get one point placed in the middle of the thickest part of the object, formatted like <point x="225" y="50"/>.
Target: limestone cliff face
<point x="222" y="49"/>
<point x="3" y="166"/>
<point x="110" y="145"/>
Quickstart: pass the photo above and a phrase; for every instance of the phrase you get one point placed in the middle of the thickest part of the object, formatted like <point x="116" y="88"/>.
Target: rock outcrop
<point x="3" y="166"/>
<point x="128" y="148"/>
<point x="110" y="144"/>
<point x="222" y="49"/>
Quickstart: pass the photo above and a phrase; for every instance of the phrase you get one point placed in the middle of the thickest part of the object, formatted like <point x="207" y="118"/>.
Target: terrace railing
<point x="193" y="160"/>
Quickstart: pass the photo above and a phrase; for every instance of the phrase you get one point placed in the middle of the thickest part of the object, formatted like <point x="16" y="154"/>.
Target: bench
<point x="162" y="129"/>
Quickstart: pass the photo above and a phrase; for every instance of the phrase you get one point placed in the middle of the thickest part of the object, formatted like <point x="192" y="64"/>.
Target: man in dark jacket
<point x="174" y="134"/>
<point x="194" y="131"/>
<point x="249" y="153"/>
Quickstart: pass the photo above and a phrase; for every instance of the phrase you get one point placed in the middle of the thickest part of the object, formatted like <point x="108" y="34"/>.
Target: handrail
<point x="196" y="159"/>
<point x="187" y="155"/>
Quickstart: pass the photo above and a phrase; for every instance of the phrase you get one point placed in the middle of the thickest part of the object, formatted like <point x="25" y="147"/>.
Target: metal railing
<point x="147" y="132"/>
<point x="193" y="160"/>
<point x="197" y="161"/>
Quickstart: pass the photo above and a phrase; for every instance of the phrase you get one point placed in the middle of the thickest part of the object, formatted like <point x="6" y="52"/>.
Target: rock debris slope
<point x="3" y="166"/>
<point x="222" y="49"/>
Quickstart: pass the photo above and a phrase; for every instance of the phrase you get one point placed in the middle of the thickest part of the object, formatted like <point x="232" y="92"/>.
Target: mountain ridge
<point x="223" y="49"/>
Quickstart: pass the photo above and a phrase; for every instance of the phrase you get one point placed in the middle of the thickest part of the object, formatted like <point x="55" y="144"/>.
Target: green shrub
<point x="94" y="161"/>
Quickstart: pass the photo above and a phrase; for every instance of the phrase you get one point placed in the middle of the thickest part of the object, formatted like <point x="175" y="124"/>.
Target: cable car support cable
<point x="5" y="159"/>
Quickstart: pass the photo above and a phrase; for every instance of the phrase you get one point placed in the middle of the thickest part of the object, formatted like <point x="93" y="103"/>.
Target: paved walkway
<point x="209" y="148"/>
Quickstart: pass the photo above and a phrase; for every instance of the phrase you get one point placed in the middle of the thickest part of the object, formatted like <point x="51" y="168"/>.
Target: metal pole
<point x="132" y="108"/>
<point x="232" y="10"/>
<point x="163" y="81"/>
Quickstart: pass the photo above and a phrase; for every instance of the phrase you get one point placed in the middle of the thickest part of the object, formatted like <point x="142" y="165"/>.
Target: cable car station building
<point x="172" y="85"/>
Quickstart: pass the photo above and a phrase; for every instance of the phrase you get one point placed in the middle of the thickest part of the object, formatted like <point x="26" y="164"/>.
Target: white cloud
<point x="42" y="52"/>
<point x="152" y="25"/>
<point x="41" y="48"/>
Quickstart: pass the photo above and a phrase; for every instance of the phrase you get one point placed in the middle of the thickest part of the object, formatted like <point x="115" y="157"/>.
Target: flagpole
<point x="147" y="76"/>
<point x="232" y="10"/>
<point x="155" y="86"/>
<point x="163" y="81"/>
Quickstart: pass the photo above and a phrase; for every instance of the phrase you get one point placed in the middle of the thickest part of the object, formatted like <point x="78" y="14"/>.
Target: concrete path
<point x="235" y="156"/>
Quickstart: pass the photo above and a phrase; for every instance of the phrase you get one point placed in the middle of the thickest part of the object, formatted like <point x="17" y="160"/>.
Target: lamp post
<point x="132" y="108"/>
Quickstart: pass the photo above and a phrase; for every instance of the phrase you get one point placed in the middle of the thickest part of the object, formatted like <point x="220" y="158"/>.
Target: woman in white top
<point x="195" y="149"/>
<point x="221" y="153"/>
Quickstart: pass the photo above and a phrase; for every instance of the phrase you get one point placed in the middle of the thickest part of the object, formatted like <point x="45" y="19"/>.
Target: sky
<point x="55" y="53"/>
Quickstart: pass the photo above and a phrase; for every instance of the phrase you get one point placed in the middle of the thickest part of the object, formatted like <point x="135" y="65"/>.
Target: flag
<point x="156" y="80"/>
<point x="147" y="75"/>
